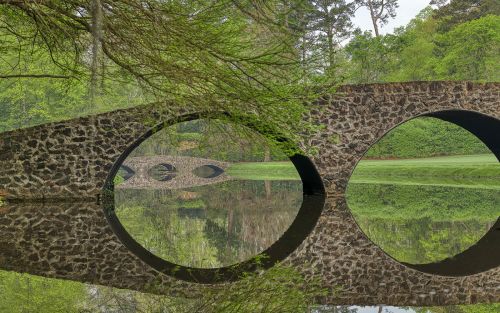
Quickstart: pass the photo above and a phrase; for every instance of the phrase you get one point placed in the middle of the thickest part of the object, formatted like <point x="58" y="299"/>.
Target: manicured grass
<point x="472" y="171"/>
<point x="452" y="160"/>
<point x="263" y="171"/>
<point x="464" y="182"/>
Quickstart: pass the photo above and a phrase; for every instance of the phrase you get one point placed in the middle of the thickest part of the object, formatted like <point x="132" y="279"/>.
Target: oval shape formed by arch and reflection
<point x="428" y="193"/>
<point x="233" y="201"/>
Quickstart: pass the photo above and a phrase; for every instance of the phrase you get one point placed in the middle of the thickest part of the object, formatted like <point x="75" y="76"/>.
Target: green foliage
<point x="27" y="101"/>
<point x="471" y="51"/>
<point x="209" y="226"/>
<point x="460" y="11"/>
<point x="405" y="202"/>
<point x="426" y="137"/>
<point x="20" y="293"/>
<point x="275" y="290"/>
<point x="218" y="57"/>
<point x="421" y="51"/>
<point x="217" y="139"/>
<point x="424" y="209"/>
<point x="420" y="241"/>
<point x="423" y="224"/>
<point x="470" y="171"/>
<point x="368" y="57"/>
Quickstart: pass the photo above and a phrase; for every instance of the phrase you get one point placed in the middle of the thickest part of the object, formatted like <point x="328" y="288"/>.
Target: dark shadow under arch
<point x="305" y="221"/>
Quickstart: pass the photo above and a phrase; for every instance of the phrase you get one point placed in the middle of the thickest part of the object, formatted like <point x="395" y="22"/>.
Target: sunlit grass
<point x="263" y="171"/>
<point x="469" y="171"/>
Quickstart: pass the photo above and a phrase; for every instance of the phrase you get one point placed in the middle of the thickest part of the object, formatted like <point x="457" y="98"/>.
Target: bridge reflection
<point x="170" y="172"/>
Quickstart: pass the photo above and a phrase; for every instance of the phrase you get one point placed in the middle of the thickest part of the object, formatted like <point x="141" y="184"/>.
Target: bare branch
<point x="35" y="76"/>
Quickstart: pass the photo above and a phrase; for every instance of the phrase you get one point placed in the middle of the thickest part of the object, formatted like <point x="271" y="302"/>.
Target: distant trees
<point x="59" y="56"/>
<point x="471" y="50"/>
<point x="423" y="50"/>
<point x="331" y="23"/>
<point x="456" y="12"/>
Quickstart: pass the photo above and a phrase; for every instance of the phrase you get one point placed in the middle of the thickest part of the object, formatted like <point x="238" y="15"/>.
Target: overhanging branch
<point x="35" y="76"/>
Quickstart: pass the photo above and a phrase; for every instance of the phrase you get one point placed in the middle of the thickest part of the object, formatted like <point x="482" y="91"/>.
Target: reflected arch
<point x="300" y="228"/>
<point x="484" y="255"/>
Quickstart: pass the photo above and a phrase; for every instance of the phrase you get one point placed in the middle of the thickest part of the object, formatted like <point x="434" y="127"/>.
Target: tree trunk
<point x="267" y="183"/>
<point x="374" y="17"/>
<point x="331" y="51"/>
<point x="96" y="48"/>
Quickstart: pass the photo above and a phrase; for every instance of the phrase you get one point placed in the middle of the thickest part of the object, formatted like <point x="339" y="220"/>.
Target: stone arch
<point x="72" y="160"/>
<point x="484" y="255"/>
<point x="304" y="222"/>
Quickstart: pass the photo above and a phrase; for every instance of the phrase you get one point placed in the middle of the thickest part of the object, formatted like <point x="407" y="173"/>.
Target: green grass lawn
<point x="263" y="171"/>
<point x="474" y="171"/>
<point x="470" y="171"/>
<point x="437" y="161"/>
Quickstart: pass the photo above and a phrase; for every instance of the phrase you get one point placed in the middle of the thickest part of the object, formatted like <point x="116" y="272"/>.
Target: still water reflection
<point x="222" y="194"/>
<point x="210" y="226"/>
<point x="420" y="223"/>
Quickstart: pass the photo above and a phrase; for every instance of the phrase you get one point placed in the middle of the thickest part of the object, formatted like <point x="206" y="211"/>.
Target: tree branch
<point x="35" y="76"/>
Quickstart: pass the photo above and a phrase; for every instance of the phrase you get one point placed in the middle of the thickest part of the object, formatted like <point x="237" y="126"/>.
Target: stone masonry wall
<point x="71" y="159"/>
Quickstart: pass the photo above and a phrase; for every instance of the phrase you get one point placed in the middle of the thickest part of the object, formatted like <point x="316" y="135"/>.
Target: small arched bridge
<point x="175" y="172"/>
<point x="75" y="159"/>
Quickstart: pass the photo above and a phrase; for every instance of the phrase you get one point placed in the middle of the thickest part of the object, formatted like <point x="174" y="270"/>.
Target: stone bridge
<point x="181" y="175"/>
<point x="77" y="237"/>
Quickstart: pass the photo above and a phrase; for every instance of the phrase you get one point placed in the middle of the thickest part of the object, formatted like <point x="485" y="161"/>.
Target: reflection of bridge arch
<point x="72" y="159"/>
<point x="184" y="175"/>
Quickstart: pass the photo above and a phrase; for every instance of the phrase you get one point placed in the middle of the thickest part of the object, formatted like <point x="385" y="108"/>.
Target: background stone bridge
<point x="184" y="175"/>
<point x="73" y="159"/>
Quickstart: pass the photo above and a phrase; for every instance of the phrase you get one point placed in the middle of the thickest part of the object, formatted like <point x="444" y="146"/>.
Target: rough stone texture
<point x="72" y="240"/>
<point x="73" y="158"/>
<point x="184" y="178"/>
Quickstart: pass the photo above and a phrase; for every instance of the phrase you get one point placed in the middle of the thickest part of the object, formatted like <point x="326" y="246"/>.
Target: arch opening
<point x="162" y="172"/>
<point x="222" y="211"/>
<point x="428" y="193"/>
<point x="208" y="171"/>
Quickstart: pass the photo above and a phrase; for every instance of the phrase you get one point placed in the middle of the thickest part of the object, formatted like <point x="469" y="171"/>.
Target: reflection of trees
<point x="212" y="225"/>
<point x="254" y="216"/>
<point x="422" y="240"/>
<point x="227" y="243"/>
<point x="422" y="224"/>
<point x="437" y="203"/>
